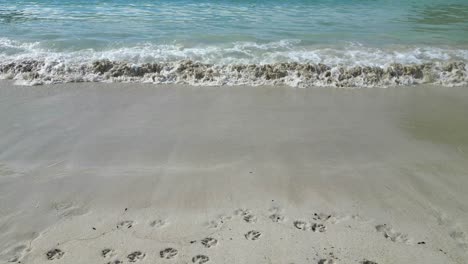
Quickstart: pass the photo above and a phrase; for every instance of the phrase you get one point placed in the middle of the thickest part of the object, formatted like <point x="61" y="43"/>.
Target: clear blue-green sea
<point x="207" y="42"/>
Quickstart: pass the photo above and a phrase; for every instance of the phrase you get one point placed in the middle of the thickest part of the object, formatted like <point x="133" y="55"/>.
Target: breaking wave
<point x="34" y="72"/>
<point x="277" y="63"/>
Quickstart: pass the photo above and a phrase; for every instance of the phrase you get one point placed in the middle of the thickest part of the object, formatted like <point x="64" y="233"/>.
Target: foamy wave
<point x="241" y="63"/>
<point x="33" y="72"/>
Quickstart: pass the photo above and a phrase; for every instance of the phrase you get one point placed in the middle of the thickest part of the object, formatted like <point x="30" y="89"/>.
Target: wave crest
<point x="34" y="72"/>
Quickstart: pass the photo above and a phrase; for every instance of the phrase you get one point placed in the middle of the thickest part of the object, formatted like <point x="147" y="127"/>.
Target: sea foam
<point x="33" y="72"/>
<point x="241" y="63"/>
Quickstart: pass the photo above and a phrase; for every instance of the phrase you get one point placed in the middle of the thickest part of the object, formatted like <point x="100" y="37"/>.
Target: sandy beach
<point x="136" y="173"/>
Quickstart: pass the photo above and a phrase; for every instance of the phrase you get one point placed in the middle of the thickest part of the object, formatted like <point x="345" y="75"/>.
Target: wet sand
<point x="97" y="173"/>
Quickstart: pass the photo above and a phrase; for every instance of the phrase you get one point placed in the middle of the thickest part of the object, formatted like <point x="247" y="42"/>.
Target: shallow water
<point x="73" y="34"/>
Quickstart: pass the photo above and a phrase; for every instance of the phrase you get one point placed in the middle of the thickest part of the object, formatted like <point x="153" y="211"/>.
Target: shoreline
<point x="141" y="167"/>
<point x="294" y="74"/>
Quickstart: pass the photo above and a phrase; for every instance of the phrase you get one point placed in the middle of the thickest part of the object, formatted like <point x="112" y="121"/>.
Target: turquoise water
<point x="337" y="33"/>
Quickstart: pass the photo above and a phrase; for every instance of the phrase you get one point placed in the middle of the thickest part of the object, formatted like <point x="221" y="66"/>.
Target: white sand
<point x="383" y="169"/>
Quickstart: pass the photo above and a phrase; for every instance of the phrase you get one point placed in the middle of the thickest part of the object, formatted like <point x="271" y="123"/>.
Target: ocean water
<point x="301" y="43"/>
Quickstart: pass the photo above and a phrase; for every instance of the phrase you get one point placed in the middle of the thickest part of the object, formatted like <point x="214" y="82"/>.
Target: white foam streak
<point x="62" y="66"/>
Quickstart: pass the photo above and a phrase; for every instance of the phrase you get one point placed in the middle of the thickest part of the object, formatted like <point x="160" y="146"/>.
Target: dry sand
<point x="97" y="173"/>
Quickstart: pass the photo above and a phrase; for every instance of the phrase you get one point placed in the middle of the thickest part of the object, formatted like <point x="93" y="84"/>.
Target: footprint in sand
<point x="302" y="225"/>
<point x="319" y="228"/>
<point x="218" y="223"/>
<point x="306" y="226"/>
<point x="54" y="254"/>
<point x="215" y="224"/>
<point x="321" y="217"/>
<point x="253" y="235"/>
<point x="390" y="234"/>
<point x="456" y="234"/>
<point x="327" y="261"/>
<point x="460" y="238"/>
<point x="168" y="253"/>
<point x="326" y="218"/>
<point x="209" y="242"/>
<point x="276" y="214"/>
<point x="246" y="214"/>
<point x="277" y="218"/>
<point x="115" y="262"/>
<point x="159" y="223"/>
<point x="250" y="218"/>
<point x="242" y="212"/>
<point x="107" y="253"/>
<point x="136" y="256"/>
<point x="200" y="259"/>
<point x="125" y="224"/>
